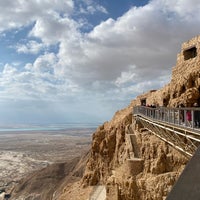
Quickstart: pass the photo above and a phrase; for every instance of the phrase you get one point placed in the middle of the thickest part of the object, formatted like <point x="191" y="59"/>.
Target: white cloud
<point x="36" y="81"/>
<point x="43" y="64"/>
<point x="116" y="60"/>
<point x="32" y="47"/>
<point x="90" y="7"/>
<point x="146" y="37"/>
<point x="51" y="29"/>
<point x="126" y="77"/>
<point x="9" y="70"/>
<point x="19" y="13"/>
<point x="184" y="9"/>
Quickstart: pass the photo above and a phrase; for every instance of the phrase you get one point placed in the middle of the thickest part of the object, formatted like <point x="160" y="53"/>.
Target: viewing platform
<point x="179" y="127"/>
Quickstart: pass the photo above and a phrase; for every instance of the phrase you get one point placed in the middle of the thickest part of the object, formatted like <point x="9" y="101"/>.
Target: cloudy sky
<point x="82" y="60"/>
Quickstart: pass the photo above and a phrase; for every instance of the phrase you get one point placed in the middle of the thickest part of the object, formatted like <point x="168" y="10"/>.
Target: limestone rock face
<point x="107" y="165"/>
<point x="184" y="87"/>
<point x="108" y="148"/>
<point x="149" y="169"/>
<point x="161" y="163"/>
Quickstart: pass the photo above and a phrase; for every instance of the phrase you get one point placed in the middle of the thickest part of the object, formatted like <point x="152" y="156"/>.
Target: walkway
<point x="172" y="126"/>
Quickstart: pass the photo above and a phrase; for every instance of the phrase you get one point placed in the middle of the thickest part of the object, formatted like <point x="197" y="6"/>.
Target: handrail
<point x="177" y="126"/>
<point x="182" y="117"/>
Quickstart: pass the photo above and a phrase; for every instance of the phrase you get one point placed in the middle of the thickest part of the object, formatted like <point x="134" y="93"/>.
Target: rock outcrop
<point x="131" y="162"/>
<point x="161" y="165"/>
<point x="150" y="176"/>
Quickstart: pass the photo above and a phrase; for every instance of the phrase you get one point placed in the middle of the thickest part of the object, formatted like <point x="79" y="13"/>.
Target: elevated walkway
<point x="183" y="133"/>
<point x="171" y="126"/>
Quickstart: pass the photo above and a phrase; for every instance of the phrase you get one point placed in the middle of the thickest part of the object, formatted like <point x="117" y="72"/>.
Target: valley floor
<point x="24" y="152"/>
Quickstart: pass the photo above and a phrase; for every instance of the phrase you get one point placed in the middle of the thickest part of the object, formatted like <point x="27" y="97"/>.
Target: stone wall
<point x="156" y="97"/>
<point x="184" y="87"/>
<point x="185" y="80"/>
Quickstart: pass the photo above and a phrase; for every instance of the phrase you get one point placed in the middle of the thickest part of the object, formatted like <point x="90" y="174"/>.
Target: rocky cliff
<point x="128" y="160"/>
<point x="156" y="165"/>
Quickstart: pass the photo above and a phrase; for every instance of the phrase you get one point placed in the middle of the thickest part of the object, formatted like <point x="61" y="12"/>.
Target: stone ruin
<point x="184" y="87"/>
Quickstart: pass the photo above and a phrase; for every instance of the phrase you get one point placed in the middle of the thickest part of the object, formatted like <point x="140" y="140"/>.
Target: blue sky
<point x="82" y="60"/>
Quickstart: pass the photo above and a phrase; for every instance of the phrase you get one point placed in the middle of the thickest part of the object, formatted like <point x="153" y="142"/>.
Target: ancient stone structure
<point x="184" y="87"/>
<point x="185" y="83"/>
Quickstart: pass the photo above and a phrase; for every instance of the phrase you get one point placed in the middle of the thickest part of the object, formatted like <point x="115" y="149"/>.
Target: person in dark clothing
<point x="182" y="117"/>
<point x="196" y="116"/>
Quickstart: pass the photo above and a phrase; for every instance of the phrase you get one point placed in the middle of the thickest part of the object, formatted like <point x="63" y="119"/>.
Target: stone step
<point x="99" y="193"/>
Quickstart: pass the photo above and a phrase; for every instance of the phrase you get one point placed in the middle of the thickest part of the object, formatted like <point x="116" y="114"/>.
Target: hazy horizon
<point x="81" y="60"/>
<point x="47" y="126"/>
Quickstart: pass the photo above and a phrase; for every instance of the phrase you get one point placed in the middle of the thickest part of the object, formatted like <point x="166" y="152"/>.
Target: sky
<point x="65" y="61"/>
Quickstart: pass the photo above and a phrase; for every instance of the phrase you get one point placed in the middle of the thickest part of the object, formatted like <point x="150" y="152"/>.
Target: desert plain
<point x="22" y="152"/>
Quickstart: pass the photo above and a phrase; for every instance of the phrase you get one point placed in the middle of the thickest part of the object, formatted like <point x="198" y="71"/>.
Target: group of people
<point x="188" y="116"/>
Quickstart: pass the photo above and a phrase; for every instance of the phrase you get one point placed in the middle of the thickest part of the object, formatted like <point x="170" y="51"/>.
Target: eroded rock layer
<point x="157" y="165"/>
<point x="128" y="160"/>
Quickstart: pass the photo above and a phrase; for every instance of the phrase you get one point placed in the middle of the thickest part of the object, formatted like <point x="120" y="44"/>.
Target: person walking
<point x="189" y="118"/>
<point x="182" y="116"/>
<point x="196" y="116"/>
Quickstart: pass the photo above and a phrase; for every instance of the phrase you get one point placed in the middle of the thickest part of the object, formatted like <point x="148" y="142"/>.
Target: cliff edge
<point x="130" y="162"/>
<point x="157" y="165"/>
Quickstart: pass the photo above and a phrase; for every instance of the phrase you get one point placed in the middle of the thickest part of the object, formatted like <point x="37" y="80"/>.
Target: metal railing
<point x="177" y="126"/>
<point x="184" y="117"/>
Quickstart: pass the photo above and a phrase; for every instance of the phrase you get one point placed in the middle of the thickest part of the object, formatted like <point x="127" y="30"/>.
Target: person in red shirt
<point x="189" y="118"/>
